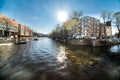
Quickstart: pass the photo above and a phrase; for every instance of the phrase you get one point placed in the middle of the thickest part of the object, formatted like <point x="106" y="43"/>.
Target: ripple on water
<point x="46" y="59"/>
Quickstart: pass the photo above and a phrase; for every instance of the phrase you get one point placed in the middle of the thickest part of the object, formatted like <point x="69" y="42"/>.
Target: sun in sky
<point x="62" y="16"/>
<point x="55" y="12"/>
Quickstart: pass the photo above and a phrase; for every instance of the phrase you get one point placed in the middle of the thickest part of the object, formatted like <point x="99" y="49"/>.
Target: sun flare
<point x="62" y="16"/>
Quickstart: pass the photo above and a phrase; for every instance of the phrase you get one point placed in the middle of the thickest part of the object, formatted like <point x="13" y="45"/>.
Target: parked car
<point x="78" y="37"/>
<point x="93" y="37"/>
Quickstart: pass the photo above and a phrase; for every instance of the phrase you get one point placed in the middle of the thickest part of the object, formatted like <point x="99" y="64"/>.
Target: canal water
<point x="46" y="59"/>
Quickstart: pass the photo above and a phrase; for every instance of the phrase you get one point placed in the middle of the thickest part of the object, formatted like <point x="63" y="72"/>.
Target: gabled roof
<point x="11" y="22"/>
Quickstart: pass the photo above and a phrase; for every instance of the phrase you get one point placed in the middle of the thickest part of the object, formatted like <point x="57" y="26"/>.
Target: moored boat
<point x="35" y="38"/>
<point x="21" y="42"/>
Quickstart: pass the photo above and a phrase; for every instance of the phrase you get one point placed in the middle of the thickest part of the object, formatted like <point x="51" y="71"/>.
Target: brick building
<point x="87" y="27"/>
<point x="9" y="27"/>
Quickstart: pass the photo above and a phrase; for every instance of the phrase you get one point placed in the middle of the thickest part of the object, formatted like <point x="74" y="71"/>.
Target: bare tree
<point x="76" y="14"/>
<point x="76" y="25"/>
<point x="116" y="16"/>
<point x="5" y="26"/>
<point x="56" y="33"/>
<point x="109" y="15"/>
<point x="106" y="16"/>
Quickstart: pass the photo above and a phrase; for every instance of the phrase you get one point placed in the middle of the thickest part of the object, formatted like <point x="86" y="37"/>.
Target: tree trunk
<point x="104" y="29"/>
<point x="118" y="31"/>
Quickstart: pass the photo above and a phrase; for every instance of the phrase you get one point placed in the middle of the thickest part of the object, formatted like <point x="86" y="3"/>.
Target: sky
<point x="41" y="15"/>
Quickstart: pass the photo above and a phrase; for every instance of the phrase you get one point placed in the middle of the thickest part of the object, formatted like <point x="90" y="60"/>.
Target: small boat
<point x="21" y="42"/>
<point x="35" y="39"/>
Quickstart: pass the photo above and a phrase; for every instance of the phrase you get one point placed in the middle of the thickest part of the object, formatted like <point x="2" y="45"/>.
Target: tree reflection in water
<point x="46" y="59"/>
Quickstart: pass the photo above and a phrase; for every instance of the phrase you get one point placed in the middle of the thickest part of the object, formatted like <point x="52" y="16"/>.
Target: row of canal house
<point x="87" y="27"/>
<point x="9" y="27"/>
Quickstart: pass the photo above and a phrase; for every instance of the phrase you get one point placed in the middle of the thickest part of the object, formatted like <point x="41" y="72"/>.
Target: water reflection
<point x="61" y="55"/>
<point x="6" y="51"/>
<point x="115" y="49"/>
<point x="46" y="59"/>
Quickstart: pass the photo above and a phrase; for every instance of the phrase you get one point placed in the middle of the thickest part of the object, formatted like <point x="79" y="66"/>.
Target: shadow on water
<point x="46" y="59"/>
